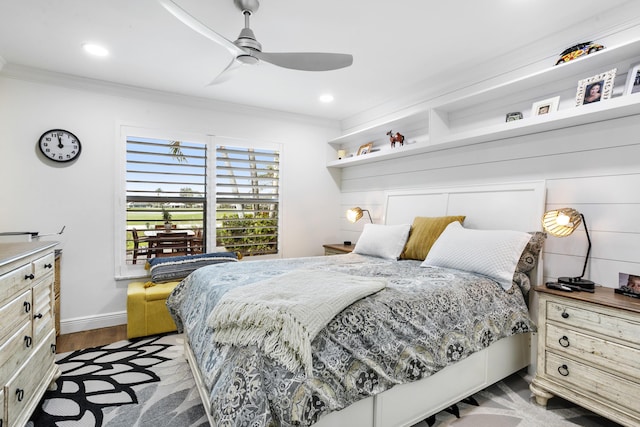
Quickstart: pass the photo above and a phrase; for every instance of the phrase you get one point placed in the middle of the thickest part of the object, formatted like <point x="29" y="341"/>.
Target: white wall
<point x="38" y="195"/>
<point x="593" y="168"/>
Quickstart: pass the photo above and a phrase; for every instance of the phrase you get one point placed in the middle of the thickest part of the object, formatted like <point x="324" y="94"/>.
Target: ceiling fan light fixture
<point x="248" y="59"/>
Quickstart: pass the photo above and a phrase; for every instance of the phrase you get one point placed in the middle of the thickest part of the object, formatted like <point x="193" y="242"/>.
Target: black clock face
<point x="59" y="145"/>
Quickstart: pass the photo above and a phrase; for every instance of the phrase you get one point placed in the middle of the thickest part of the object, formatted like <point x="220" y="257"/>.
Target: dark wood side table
<point x="337" y="249"/>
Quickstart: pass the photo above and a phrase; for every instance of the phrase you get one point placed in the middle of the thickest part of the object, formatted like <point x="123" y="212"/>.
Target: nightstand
<point x="337" y="249"/>
<point x="588" y="351"/>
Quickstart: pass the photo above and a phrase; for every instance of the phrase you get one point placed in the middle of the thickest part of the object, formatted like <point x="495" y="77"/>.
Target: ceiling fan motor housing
<point x="248" y="40"/>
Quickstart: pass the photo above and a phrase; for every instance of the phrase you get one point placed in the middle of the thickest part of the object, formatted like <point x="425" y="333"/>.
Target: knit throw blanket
<point x="283" y="314"/>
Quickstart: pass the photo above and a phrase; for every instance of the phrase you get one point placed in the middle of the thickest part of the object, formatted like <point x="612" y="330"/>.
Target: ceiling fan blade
<point x="227" y="73"/>
<point x="199" y="27"/>
<point x="306" y="61"/>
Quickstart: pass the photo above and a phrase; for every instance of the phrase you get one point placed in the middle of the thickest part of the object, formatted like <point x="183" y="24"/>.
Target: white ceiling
<point x="398" y="46"/>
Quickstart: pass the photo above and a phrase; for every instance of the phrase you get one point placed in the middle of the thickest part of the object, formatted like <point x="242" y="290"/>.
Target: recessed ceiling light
<point x="326" y="98"/>
<point x="95" y="49"/>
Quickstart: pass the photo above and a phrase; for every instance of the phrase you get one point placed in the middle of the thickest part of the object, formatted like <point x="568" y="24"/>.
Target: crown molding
<point x="37" y="75"/>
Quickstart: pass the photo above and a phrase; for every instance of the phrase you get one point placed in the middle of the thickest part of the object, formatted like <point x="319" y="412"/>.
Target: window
<point x="247" y="199"/>
<point x="166" y="198"/>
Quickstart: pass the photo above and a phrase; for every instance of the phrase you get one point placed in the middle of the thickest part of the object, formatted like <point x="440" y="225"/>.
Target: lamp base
<point x="578" y="283"/>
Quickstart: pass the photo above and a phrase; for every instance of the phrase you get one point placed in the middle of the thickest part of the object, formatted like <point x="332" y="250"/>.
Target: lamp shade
<point x="561" y="222"/>
<point x="354" y="214"/>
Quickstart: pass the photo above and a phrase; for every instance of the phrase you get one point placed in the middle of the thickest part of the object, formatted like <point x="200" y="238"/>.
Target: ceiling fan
<point x="247" y="50"/>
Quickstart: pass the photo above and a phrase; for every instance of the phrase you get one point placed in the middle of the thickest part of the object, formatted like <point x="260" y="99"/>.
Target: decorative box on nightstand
<point x="588" y="352"/>
<point x="337" y="249"/>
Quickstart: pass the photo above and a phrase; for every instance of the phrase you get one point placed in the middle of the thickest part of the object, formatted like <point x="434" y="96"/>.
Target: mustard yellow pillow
<point x="424" y="232"/>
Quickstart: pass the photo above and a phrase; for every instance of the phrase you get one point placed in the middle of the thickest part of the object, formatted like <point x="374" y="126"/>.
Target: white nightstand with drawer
<point x="588" y="352"/>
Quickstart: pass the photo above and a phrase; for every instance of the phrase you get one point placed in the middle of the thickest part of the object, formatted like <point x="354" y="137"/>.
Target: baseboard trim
<point x="87" y="323"/>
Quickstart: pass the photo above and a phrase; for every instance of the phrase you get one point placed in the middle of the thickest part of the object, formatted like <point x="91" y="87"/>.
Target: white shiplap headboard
<point x="508" y="206"/>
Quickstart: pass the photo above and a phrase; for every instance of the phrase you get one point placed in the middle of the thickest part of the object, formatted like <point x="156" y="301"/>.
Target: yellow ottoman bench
<point x="147" y="312"/>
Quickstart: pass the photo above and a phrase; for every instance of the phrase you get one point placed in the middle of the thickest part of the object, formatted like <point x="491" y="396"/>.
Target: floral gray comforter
<point x="426" y="319"/>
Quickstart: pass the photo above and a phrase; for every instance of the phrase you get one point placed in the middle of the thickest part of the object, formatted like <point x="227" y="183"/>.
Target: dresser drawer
<point x="597" y="351"/>
<point x="43" y="308"/>
<point x="15" y="313"/>
<point x="14" y="351"/>
<point x="15" y="281"/>
<point x="28" y="385"/>
<point x="44" y="265"/>
<point x="617" y="391"/>
<point x="587" y="319"/>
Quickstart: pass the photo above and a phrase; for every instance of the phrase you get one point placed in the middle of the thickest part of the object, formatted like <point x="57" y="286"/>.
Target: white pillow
<point x="492" y="253"/>
<point x="384" y="241"/>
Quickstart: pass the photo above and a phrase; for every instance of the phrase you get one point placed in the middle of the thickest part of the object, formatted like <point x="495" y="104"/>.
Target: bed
<point x="427" y="337"/>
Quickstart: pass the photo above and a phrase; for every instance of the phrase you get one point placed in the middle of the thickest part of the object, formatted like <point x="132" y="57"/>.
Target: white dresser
<point x="27" y="333"/>
<point x="589" y="352"/>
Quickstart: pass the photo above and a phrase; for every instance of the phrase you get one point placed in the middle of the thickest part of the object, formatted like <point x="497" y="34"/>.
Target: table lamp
<point x="561" y="223"/>
<point x="354" y="214"/>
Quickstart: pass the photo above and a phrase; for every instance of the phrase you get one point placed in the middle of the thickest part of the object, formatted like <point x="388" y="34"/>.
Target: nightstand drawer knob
<point x="565" y="315"/>
<point x="563" y="370"/>
<point x="564" y="341"/>
<point x="20" y="394"/>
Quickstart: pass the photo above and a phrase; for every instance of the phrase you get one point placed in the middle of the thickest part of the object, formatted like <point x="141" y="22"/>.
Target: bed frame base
<point x="407" y="404"/>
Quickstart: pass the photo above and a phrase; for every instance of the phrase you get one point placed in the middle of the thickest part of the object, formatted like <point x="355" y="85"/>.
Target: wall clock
<point x="59" y="145"/>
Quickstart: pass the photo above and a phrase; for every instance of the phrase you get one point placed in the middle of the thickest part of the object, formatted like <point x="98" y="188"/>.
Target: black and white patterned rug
<point x="144" y="382"/>
<point x="147" y="382"/>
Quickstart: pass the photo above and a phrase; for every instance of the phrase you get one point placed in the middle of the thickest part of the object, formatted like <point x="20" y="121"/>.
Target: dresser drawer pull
<point x="20" y="394"/>
<point x="53" y="350"/>
<point x="38" y="316"/>
<point x="565" y="315"/>
<point x="29" y="276"/>
<point x="563" y="370"/>
<point x="48" y="265"/>
<point x="27" y="306"/>
<point x="564" y="341"/>
<point x="28" y="341"/>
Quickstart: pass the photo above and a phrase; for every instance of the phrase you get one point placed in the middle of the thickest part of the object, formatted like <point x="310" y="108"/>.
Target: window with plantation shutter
<point x="247" y="199"/>
<point x="166" y="198"/>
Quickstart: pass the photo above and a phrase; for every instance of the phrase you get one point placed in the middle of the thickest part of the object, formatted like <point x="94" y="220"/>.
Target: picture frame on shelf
<point x="516" y="115"/>
<point x="545" y="106"/>
<point x="628" y="284"/>
<point x="633" y="80"/>
<point x="365" y="148"/>
<point x="595" y="88"/>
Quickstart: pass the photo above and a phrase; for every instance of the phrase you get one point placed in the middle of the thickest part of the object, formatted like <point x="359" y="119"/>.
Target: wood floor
<point x="92" y="338"/>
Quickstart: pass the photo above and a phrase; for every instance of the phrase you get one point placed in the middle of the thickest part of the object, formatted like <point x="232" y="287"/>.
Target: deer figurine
<point x="398" y="137"/>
